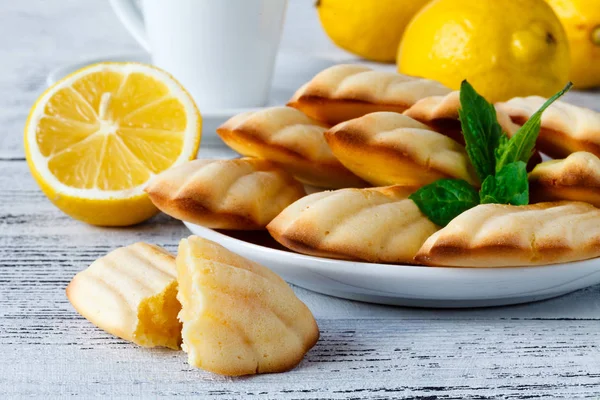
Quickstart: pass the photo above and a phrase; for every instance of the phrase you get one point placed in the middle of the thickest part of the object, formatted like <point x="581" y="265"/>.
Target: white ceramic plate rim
<point x="335" y="265"/>
<point x="412" y="285"/>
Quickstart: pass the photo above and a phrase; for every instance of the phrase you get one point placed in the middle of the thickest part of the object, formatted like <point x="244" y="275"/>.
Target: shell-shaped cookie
<point x="343" y="92"/>
<point x="131" y="293"/>
<point x="374" y="224"/>
<point x="565" y="128"/>
<point x="239" y="318"/>
<point x="388" y="148"/>
<point x="441" y="114"/>
<point x="576" y="178"/>
<point x="293" y="141"/>
<point x="496" y="235"/>
<point x="243" y="194"/>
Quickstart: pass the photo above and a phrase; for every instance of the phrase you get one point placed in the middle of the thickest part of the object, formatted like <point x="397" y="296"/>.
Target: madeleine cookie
<point x="386" y="148"/>
<point x="131" y="293"/>
<point x="497" y="235"/>
<point x="239" y="318"/>
<point x="375" y="224"/>
<point x="576" y="177"/>
<point x="441" y="114"/>
<point x="245" y="193"/>
<point x="293" y="141"/>
<point x="346" y="91"/>
<point x="565" y="128"/>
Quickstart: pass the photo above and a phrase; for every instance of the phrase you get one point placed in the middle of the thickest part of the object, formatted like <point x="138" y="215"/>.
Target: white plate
<point x="292" y="70"/>
<point x="409" y="285"/>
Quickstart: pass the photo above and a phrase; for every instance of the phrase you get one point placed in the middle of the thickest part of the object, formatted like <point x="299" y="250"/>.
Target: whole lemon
<point x="503" y="48"/>
<point x="581" y="20"/>
<point x="369" y="28"/>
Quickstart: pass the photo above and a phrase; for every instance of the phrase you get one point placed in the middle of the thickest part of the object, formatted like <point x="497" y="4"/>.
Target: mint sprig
<point x="520" y="146"/>
<point x="444" y="199"/>
<point x="481" y="130"/>
<point x="508" y="186"/>
<point x="500" y="162"/>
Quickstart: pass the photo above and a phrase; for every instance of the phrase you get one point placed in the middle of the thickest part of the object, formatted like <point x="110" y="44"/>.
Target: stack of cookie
<point x="376" y="137"/>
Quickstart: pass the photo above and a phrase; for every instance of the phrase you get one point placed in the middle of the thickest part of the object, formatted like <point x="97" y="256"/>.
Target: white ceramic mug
<point x="222" y="51"/>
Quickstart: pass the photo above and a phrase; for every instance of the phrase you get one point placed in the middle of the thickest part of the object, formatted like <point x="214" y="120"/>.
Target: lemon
<point x="95" y="138"/>
<point x="503" y="48"/>
<point x="368" y="28"/>
<point x="581" y="20"/>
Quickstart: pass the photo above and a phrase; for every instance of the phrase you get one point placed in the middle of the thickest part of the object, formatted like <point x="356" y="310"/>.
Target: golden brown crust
<point x="239" y="318"/>
<point x="565" y="128"/>
<point x="389" y="148"/>
<point x="291" y="140"/>
<point x="578" y="169"/>
<point x="344" y="92"/>
<point x="494" y="235"/>
<point x="558" y="144"/>
<point x="441" y="113"/>
<point x="332" y="111"/>
<point x="539" y="193"/>
<point x="576" y="177"/>
<point x="436" y="107"/>
<point x="240" y="194"/>
<point x="374" y="224"/>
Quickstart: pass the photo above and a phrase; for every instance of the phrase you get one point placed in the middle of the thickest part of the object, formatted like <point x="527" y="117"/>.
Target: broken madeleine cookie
<point x="387" y="148"/>
<point x="347" y="91"/>
<point x="497" y="235"/>
<point x="293" y="141"/>
<point x="374" y="224"/>
<point x="565" y="128"/>
<point x="245" y="193"/>
<point x="131" y="293"/>
<point x="239" y="318"/>
<point x="576" y="177"/>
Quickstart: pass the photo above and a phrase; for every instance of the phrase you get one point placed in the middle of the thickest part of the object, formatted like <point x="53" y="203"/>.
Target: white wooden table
<point x="544" y="350"/>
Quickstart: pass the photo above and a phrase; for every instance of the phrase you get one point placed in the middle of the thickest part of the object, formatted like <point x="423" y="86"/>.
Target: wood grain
<point x="380" y="359"/>
<point x="537" y="351"/>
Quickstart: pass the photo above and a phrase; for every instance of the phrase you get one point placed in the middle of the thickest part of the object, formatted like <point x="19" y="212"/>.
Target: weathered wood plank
<point x="34" y="274"/>
<point x="354" y="359"/>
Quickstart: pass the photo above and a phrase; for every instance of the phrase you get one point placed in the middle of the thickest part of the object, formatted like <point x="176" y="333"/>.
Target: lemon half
<point x="95" y="138"/>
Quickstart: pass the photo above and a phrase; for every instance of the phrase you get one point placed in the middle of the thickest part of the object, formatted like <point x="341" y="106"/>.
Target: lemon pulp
<point x="97" y="136"/>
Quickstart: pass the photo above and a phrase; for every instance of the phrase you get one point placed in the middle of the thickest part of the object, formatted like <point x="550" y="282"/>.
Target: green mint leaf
<point x="445" y="199"/>
<point x="481" y="130"/>
<point x="502" y="143"/>
<point x="508" y="186"/>
<point x="520" y="146"/>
